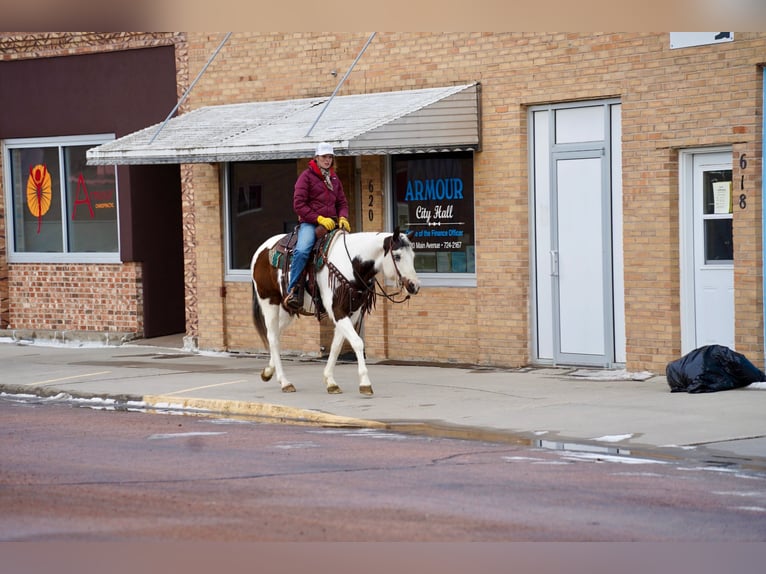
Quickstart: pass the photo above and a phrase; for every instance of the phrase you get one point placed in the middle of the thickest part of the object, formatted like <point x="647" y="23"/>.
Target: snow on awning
<point x="408" y="121"/>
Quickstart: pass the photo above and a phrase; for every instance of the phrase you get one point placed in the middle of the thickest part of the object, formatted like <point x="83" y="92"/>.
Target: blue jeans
<point x="301" y="252"/>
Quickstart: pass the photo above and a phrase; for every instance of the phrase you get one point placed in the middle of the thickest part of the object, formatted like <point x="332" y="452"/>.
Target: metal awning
<point x="408" y="121"/>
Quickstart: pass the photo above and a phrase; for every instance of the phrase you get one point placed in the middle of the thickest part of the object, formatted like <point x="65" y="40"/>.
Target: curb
<point x="269" y="412"/>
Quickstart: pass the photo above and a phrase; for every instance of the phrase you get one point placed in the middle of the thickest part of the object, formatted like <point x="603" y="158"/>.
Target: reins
<point x="382" y="293"/>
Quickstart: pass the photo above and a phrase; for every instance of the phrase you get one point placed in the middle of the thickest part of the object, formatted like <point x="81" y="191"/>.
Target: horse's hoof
<point x="266" y="376"/>
<point x="366" y="390"/>
<point x="288" y="389"/>
<point x="334" y="390"/>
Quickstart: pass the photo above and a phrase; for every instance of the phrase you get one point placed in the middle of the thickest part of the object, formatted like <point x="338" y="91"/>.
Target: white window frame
<point x="48" y="257"/>
<point x="230" y="274"/>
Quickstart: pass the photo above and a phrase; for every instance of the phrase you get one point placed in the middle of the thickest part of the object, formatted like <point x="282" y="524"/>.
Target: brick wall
<point x="76" y="297"/>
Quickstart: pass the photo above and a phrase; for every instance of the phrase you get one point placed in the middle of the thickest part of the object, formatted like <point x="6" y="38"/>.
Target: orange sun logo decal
<point x="39" y="192"/>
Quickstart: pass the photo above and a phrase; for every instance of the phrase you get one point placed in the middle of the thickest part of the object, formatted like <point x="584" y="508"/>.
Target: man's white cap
<point x="324" y="149"/>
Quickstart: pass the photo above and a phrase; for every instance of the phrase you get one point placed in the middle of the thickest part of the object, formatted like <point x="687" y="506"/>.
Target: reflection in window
<point x="718" y="240"/>
<point x="260" y="204"/>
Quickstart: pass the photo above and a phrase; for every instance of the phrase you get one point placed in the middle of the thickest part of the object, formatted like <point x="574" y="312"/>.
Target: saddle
<point x="281" y="256"/>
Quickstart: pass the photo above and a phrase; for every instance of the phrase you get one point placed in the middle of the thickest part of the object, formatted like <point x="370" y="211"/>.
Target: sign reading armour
<point x="447" y="188"/>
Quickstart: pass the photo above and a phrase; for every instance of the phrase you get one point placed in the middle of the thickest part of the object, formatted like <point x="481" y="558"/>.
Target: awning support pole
<point x="327" y="103"/>
<point x="189" y="89"/>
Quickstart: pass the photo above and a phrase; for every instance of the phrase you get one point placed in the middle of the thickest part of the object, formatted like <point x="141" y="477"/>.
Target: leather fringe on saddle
<point x="357" y="297"/>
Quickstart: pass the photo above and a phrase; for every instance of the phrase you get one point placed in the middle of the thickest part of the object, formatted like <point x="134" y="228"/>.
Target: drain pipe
<point x="327" y="103"/>
<point x="763" y="207"/>
<point x="189" y="89"/>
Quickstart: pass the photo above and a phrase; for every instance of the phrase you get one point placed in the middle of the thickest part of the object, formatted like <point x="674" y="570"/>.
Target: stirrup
<point x="294" y="299"/>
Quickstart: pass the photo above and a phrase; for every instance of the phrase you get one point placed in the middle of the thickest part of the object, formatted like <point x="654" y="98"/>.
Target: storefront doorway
<point x="577" y="197"/>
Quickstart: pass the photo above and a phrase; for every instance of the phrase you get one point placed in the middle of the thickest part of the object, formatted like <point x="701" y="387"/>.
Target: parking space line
<point x="67" y="378"/>
<point x="207" y="387"/>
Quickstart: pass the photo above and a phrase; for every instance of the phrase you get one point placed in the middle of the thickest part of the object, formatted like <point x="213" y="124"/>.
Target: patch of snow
<point x="742" y="493"/>
<point x="613" y="438"/>
<point x="182" y="435"/>
<point x="610" y="458"/>
<point x="756" y="386"/>
<point x="751" y="508"/>
<point x="611" y="375"/>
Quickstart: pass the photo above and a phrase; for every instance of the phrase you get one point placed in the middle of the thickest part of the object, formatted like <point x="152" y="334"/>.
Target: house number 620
<point x="370" y="201"/>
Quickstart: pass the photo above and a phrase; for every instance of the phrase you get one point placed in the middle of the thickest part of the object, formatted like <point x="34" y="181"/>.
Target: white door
<point x="581" y="247"/>
<point x="713" y="250"/>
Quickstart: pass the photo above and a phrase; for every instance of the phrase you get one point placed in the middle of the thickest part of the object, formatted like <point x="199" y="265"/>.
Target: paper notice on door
<point x="722" y="197"/>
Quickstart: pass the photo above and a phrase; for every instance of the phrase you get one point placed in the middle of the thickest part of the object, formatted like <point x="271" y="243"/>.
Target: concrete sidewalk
<point x="599" y="411"/>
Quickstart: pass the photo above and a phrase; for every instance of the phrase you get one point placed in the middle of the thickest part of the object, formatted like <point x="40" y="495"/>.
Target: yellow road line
<point x="206" y="387"/>
<point x="68" y="378"/>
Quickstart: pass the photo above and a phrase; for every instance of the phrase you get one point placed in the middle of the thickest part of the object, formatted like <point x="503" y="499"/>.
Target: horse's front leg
<point x="329" y="369"/>
<point x="346" y="328"/>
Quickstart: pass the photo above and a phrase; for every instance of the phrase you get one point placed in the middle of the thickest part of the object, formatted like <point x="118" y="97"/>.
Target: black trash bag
<point x="711" y="368"/>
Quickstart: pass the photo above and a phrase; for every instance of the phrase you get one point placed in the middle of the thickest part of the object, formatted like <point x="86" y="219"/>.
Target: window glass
<point x="92" y="203"/>
<point x="35" y="184"/>
<point x="433" y="196"/>
<point x="719" y="246"/>
<point x="717" y="216"/>
<point x="59" y="205"/>
<point x="260" y="205"/>
<point x="579" y="124"/>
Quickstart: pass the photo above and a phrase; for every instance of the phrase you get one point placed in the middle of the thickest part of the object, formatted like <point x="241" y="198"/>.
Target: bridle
<point x="400" y="280"/>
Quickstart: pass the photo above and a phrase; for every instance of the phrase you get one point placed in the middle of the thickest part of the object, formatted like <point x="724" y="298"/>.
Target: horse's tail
<point x="260" y="324"/>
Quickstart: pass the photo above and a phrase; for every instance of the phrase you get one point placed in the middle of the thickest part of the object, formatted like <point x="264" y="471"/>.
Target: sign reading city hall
<point x="434" y="198"/>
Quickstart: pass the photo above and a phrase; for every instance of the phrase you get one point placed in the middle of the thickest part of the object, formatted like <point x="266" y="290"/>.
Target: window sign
<point x="61" y="209"/>
<point x="690" y="39"/>
<point x="433" y="197"/>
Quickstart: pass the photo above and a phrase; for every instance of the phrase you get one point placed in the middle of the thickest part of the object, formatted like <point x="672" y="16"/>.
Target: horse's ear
<point x="396" y="233"/>
<point x="411" y="235"/>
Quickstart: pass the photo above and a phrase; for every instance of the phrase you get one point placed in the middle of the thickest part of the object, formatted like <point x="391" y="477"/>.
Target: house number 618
<point x="742" y="196"/>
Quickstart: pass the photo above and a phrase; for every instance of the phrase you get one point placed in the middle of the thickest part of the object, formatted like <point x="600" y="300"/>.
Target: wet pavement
<point x="606" y="413"/>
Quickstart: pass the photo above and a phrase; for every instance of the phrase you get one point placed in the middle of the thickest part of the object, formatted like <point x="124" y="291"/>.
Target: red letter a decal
<point x="77" y="201"/>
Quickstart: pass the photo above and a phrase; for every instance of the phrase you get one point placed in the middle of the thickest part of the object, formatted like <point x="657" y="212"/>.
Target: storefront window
<point x="60" y="208"/>
<point x="259" y="205"/>
<point x="433" y="196"/>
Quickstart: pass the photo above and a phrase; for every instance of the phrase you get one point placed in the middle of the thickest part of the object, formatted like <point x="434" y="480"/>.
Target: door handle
<point x="554" y="263"/>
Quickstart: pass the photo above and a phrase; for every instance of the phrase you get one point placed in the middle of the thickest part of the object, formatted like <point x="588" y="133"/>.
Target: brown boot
<point x="294" y="299"/>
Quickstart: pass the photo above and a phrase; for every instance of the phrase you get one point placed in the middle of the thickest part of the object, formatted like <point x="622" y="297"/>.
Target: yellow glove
<point x="343" y="224"/>
<point x="326" y="222"/>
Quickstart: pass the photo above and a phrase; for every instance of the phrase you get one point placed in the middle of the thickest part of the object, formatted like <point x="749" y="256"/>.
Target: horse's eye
<point x="397" y="257"/>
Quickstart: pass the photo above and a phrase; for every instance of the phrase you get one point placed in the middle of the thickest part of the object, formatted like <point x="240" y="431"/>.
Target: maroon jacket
<point x="313" y="198"/>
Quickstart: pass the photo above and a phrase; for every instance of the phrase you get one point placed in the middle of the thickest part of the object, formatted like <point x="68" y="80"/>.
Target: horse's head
<point x="399" y="261"/>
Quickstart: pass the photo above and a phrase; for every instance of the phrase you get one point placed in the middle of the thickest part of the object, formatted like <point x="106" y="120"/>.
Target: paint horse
<point x="344" y="288"/>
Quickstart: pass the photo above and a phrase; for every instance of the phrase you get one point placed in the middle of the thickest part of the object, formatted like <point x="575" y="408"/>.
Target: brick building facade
<point x="664" y="110"/>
